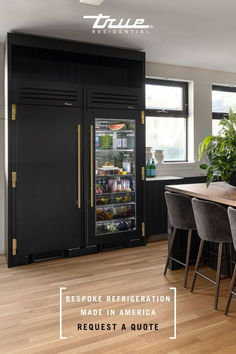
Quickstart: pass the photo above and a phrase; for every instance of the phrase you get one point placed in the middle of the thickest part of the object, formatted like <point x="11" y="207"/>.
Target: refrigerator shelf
<point x="115" y="220"/>
<point x="114" y="131"/>
<point x="112" y="193"/>
<point x="114" y="205"/>
<point x="115" y="150"/>
<point x="115" y="232"/>
<point x="110" y="176"/>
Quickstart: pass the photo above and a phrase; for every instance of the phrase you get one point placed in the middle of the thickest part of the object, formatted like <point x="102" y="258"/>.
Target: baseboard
<point x="158" y="237"/>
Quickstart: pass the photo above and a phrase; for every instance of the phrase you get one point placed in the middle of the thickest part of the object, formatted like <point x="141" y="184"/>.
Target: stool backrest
<point x="232" y="221"/>
<point x="212" y="221"/>
<point x="180" y="211"/>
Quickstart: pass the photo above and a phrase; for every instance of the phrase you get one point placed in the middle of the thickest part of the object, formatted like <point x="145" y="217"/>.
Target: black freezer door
<point x="48" y="196"/>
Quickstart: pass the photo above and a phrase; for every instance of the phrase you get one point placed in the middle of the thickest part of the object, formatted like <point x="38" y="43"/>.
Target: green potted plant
<point x="220" y="152"/>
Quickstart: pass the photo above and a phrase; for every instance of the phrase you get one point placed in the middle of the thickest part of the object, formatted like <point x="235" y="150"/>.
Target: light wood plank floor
<point x="29" y="306"/>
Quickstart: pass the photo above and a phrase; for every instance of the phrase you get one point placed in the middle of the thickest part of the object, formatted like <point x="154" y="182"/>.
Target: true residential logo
<point x="107" y="25"/>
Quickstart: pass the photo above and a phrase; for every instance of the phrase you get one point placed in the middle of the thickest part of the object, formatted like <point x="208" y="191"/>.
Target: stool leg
<point x="187" y="258"/>
<point x="197" y="264"/>
<point x="231" y="258"/>
<point x="171" y="249"/>
<point x="228" y="261"/>
<point x="219" y="260"/>
<point x="232" y="284"/>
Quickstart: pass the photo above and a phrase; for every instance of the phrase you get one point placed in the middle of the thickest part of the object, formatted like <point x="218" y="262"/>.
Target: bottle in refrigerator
<point x="118" y="141"/>
<point x="97" y="142"/>
<point x="119" y="185"/>
<point x="130" y="141"/>
<point x="126" y="164"/>
<point x="124" y="142"/>
<point x="112" y="185"/>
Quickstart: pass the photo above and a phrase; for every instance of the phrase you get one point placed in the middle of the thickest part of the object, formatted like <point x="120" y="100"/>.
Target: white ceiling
<point x="198" y="33"/>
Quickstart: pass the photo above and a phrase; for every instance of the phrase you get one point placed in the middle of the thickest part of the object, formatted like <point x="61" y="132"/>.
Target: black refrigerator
<point x="77" y="171"/>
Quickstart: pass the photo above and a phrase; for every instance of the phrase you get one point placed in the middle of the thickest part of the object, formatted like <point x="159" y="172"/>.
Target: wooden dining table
<point x="218" y="192"/>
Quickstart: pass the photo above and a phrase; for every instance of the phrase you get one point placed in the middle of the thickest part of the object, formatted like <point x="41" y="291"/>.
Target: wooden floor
<point x="29" y="306"/>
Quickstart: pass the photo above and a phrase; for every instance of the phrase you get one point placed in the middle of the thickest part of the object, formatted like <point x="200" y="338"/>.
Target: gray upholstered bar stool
<point x="232" y="221"/>
<point x="213" y="226"/>
<point x="181" y="216"/>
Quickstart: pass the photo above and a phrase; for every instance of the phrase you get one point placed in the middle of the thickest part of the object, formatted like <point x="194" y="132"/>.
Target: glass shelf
<point x="115" y="220"/>
<point x="98" y="206"/>
<point x="112" y="193"/>
<point x="113" y="131"/>
<point x="115" y="150"/>
<point x="115" y="199"/>
<point x="115" y="176"/>
<point x="120" y="231"/>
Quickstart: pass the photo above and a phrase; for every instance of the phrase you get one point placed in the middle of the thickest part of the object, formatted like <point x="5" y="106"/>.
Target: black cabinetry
<point x="63" y="96"/>
<point x="156" y="211"/>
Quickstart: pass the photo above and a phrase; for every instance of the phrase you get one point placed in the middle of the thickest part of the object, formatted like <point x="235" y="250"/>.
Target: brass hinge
<point x="143" y="229"/>
<point x="143" y="173"/>
<point x="14" y="246"/>
<point x="13" y="111"/>
<point x="13" y="179"/>
<point x="143" y="117"/>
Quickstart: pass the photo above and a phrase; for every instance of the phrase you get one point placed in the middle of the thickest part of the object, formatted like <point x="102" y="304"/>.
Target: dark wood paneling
<point x="218" y="192"/>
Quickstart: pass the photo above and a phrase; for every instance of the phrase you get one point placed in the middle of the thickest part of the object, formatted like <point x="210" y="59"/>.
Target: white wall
<point x="200" y="114"/>
<point x="200" y="108"/>
<point x="1" y="148"/>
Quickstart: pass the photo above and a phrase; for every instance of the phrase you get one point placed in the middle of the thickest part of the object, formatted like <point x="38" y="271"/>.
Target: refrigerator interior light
<point x="92" y="2"/>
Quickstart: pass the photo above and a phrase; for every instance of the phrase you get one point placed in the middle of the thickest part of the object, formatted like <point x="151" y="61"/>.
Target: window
<point x="166" y="118"/>
<point x="215" y="126"/>
<point x="223" y="98"/>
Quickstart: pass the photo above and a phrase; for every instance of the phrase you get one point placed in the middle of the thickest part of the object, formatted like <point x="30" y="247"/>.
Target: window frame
<point x="184" y="113"/>
<point x="221" y="115"/>
<point x="170" y="112"/>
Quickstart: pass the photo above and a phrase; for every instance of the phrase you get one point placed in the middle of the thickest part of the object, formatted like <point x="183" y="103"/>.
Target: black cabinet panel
<point x="47" y="93"/>
<point x="116" y="98"/>
<point x="156" y="211"/>
<point x="46" y="209"/>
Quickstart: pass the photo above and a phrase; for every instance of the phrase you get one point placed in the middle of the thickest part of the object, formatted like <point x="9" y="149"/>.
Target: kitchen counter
<point x="162" y="178"/>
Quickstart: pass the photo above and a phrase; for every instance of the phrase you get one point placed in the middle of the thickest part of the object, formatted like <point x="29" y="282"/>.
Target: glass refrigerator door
<point x="115" y="158"/>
